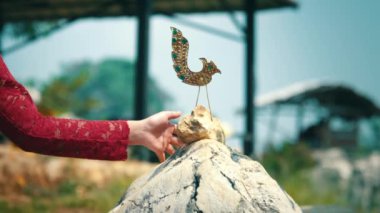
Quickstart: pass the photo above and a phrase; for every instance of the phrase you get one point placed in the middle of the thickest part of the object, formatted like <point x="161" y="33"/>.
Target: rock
<point x="198" y="126"/>
<point x="327" y="209"/>
<point x="326" y="175"/>
<point x="206" y="176"/>
<point x="365" y="183"/>
<point x="341" y="165"/>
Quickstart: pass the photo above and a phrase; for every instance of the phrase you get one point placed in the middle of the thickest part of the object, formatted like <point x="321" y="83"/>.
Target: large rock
<point x="206" y="176"/>
<point x="199" y="125"/>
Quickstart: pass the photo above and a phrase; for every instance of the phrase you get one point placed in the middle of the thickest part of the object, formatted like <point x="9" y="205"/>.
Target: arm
<point x="31" y="131"/>
<point x="103" y="140"/>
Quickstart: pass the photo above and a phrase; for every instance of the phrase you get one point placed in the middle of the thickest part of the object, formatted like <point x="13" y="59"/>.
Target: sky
<point x="323" y="40"/>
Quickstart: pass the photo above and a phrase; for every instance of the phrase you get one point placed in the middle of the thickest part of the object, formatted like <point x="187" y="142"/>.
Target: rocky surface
<point x="364" y="185"/>
<point x="358" y="179"/>
<point x="327" y="173"/>
<point x="199" y="125"/>
<point x="206" y="176"/>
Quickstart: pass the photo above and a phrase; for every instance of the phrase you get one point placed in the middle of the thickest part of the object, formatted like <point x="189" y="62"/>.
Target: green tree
<point x="102" y="90"/>
<point x="58" y="95"/>
<point x="287" y="160"/>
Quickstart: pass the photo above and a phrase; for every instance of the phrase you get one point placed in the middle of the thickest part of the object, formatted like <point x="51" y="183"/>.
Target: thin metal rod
<point x="199" y="89"/>
<point x="208" y="101"/>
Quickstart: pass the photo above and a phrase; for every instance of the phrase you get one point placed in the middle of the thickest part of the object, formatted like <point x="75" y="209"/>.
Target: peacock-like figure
<point x="180" y="49"/>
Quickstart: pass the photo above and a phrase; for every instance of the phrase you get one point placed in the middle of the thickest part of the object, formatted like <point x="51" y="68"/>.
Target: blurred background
<point x="298" y="91"/>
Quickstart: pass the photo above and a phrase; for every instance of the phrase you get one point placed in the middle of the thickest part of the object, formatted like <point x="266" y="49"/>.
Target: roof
<point x="339" y="99"/>
<point x="285" y="95"/>
<point x="45" y="10"/>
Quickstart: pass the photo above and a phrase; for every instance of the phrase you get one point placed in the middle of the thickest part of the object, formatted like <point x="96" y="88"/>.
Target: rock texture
<point x="364" y="185"/>
<point x="199" y="125"/>
<point x="206" y="176"/>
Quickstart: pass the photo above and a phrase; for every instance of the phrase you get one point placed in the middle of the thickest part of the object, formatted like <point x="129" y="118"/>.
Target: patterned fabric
<point x="31" y="131"/>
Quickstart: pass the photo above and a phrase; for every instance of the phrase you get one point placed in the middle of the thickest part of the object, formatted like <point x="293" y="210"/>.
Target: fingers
<point x="165" y="140"/>
<point x="161" y="156"/>
<point x="167" y="144"/>
<point x="170" y="150"/>
<point x="172" y="114"/>
<point x="162" y="131"/>
<point x="176" y="142"/>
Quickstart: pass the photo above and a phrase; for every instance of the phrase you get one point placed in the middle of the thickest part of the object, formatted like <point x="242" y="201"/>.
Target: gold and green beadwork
<point x="180" y="49"/>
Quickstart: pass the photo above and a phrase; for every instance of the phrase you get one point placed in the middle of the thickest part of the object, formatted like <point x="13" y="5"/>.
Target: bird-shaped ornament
<point x="180" y="49"/>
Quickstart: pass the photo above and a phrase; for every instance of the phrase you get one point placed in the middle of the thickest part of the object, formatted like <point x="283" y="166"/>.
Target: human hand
<point x="155" y="133"/>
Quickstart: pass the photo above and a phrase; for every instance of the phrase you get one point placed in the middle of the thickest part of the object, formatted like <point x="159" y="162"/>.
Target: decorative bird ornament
<point x="180" y="49"/>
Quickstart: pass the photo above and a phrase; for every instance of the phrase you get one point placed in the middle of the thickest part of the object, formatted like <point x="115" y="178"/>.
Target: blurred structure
<point x="364" y="185"/>
<point x="338" y="109"/>
<point x="60" y="13"/>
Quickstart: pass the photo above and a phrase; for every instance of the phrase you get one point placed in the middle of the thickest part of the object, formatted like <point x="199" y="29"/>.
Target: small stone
<point x="199" y="125"/>
<point x="174" y="40"/>
<point x="175" y="32"/>
<point x="177" y="68"/>
<point x="184" y="41"/>
<point x="209" y="67"/>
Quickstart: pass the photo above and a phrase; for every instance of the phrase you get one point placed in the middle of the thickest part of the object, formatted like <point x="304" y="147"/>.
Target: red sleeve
<point x="25" y="126"/>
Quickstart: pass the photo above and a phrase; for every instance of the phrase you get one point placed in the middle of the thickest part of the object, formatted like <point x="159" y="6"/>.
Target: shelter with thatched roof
<point x="338" y="109"/>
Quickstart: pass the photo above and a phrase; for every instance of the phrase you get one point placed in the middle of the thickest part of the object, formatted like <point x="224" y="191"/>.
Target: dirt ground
<point x="24" y="175"/>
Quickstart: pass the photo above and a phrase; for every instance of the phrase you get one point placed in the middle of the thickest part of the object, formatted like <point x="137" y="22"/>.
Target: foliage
<point x="58" y="95"/>
<point x="98" y="91"/>
<point x="291" y="165"/>
<point x="69" y="196"/>
<point x="290" y="159"/>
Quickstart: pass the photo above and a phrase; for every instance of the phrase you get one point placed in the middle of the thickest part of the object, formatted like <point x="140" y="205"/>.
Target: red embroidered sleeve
<point x="25" y="126"/>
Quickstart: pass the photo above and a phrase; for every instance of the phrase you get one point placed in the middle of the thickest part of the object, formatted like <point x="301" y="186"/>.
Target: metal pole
<point x="299" y="120"/>
<point x="272" y="127"/>
<point x="142" y="59"/>
<point x="249" y="139"/>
